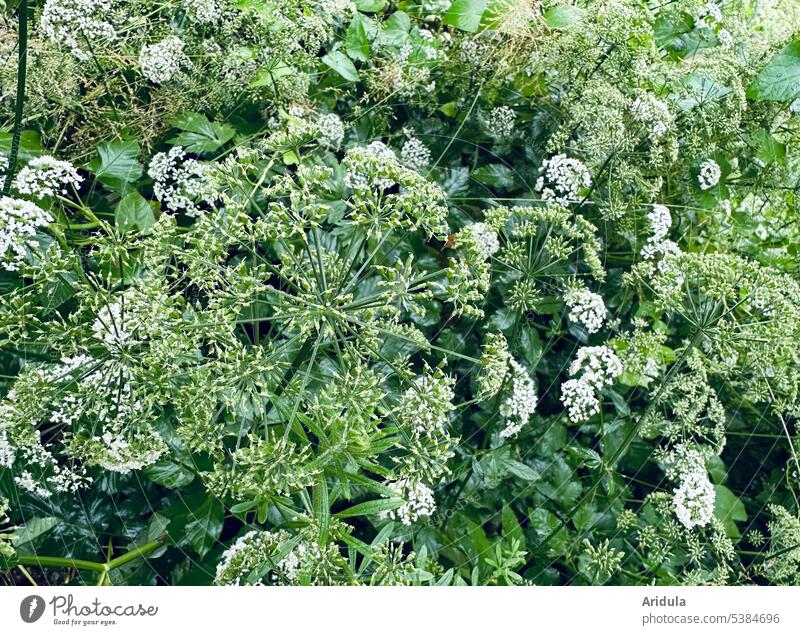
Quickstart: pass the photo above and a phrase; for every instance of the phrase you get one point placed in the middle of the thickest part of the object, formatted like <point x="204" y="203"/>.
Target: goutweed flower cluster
<point x="449" y="292"/>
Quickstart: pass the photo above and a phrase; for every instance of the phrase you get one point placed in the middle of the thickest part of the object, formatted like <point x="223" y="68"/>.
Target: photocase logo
<point x="31" y="608"/>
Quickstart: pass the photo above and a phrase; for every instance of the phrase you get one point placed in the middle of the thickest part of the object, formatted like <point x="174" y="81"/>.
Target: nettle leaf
<point x="466" y="14"/>
<point x="204" y="530"/>
<point x="779" y="80"/>
<point x="339" y="62"/>
<point x="199" y="134"/>
<point x="134" y="212"/>
<point x="497" y="176"/>
<point x="117" y="165"/>
<point x="33" y="529"/>
<point x="169" y="474"/>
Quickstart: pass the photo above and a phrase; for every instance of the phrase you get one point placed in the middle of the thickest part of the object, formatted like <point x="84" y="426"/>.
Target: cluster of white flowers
<point x="6" y="451"/>
<point x="123" y="455"/>
<point x="19" y="221"/>
<point x="652" y="113"/>
<point x="562" y="179"/>
<point x="725" y="38"/>
<point x="419" y="501"/>
<point x="203" y="11"/>
<point x="180" y="183"/>
<point x="479" y="238"/>
<point x="709" y="174"/>
<point x="427" y="403"/>
<point x="521" y="402"/>
<point x="586" y="308"/>
<point x="596" y="367"/>
<point x="359" y="180"/>
<point x="500" y="121"/>
<point x="658" y="243"/>
<point x="708" y="15"/>
<point x="415" y="154"/>
<point x="694" y="499"/>
<point x="46" y="176"/>
<point x="72" y="23"/>
<point x="160" y="62"/>
<point x="113" y="326"/>
<point x="330" y="128"/>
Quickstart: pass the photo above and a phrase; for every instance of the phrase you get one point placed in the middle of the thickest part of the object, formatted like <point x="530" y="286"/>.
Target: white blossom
<point x="709" y="174"/>
<point x="586" y="308"/>
<point x="596" y="367"/>
<point x="180" y="183"/>
<point x="521" y="402"/>
<point x="19" y="221"/>
<point x="46" y="176"/>
<point x="160" y="62"/>
<point x="415" y="154"/>
<point x="562" y="179"/>
<point x="203" y="11"/>
<point x="330" y="128"/>
<point x="652" y="113"/>
<point x="500" y="121"/>
<point x="419" y="501"/>
<point x="694" y="499"/>
<point x="72" y="23"/>
<point x="708" y="15"/>
<point x="481" y="239"/>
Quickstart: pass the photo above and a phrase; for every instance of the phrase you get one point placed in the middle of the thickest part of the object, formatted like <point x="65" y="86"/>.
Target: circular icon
<point x="31" y="608"/>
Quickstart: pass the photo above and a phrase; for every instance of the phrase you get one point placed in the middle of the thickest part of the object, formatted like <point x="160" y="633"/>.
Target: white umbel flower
<point x="694" y="499"/>
<point x="586" y="308"/>
<point x="160" y="62"/>
<point x="708" y="15"/>
<point x="521" y="403"/>
<point x="652" y="113"/>
<point x="709" y="174"/>
<point x="180" y="183"/>
<point x="46" y="176"/>
<point x="562" y="179"/>
<point x="331" y="129"/>
<point x="19" y="221"/>
<point x="500" y="121"/>
<point x="658" y="244"/>
<point x="415" y="154"/>
<point x="596" y="367"/>
<point x="71" y="23"/>
<point x="419" y="501"/>
<point x="481" y="239"/>
<point x="203" y="11"/>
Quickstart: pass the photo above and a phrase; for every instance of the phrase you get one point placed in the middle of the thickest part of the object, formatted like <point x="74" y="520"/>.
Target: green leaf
<point x="395" y="30"/>
<point x="34" y="528"/>
<point x="134" y="212"/>
<point x="730" y="510"/>
<point x="563" y="16"/>
<point x="199" y="134"/>
<point x="169" y="474"/>
<point x="339" y="62"/>
<point x="496" y="175"/>
<point x="370" y="6"/>
<point x="779" y="80"/>
<point x="117" y="165"/>
<point x="466" y="14"/>
<point x="511" y="526"/>
<point x="370" y="508"/>
<point x="204" y="530"/>
<point x="360" y="33"/>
